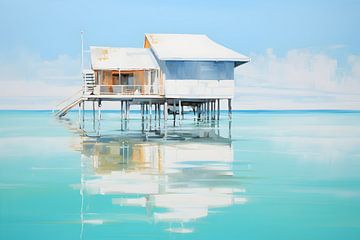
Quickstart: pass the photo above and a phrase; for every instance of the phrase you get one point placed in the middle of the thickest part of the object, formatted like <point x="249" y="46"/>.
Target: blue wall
<point x="200" y="70"/>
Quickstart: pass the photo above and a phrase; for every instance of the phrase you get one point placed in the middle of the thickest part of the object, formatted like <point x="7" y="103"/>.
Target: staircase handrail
<point x="67" y="99"/>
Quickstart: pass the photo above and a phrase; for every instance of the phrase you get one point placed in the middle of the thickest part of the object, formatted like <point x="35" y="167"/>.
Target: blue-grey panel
<point x="202" y="70"/>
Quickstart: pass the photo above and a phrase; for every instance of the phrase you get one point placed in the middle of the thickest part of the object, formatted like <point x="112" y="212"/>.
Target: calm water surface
<point x="268" y="175"/>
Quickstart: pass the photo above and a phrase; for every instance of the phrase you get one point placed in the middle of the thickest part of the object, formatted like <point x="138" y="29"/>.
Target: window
<point x="201" y="70"/>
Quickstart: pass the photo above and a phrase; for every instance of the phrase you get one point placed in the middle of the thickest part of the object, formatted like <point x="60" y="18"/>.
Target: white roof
<point x="193" y="47"/>
<point x="106" y="58"/>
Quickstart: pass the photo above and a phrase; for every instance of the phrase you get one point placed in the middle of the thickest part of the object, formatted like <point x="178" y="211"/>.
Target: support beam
<point x="165" y="118"/>
<point x="150" y="113"/>
<point x="142" y="109"/>
<point x="198" y="109"/>
<point x="180" y="112"/>
<point x="207" y="110"/>
<point x="159" y="115"/>
<point x="218" y="109"/>
<point x="155" y="112"/>
<point x="165" y="110"/>
<point x="79" y="117"/>
<point x="83" y="115"/>
<point x="147" y="116"/>
<point x="99" y="110"/>
<point x="229" y="109"/>
<point x="212" y="110"/>
<point x="127" y="109"/>
<point x="99" y="117"/>
<point x="174" y="111"/>
<point x="121" y="110"/>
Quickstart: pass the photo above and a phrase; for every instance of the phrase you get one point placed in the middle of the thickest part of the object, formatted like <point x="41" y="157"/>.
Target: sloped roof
<point x="106" y="58"/>
<point x="194" y="47"/>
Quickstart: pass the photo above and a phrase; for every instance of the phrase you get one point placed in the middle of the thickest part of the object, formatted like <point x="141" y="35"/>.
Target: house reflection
<point x="175" y="181"/>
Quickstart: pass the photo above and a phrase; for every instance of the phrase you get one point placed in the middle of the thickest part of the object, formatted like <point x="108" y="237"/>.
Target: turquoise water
<point x="270" y="175"/>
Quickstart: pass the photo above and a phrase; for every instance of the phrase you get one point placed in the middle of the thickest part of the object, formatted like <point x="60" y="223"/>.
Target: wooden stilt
<point x="121" y="110"/>
<point x="159" y="115"/>
<point x="180" y="112"/>
<point x="83" y="115"/>
<point x="150" y="113"/>
<point x="174" y="111"/>
<point x="199" y="112"/>
<point x="99" y="110"/>
<point x="146" y="116"/>
<point x="128" y="110"/>
<point x="229" y="109"/>
<point x="165" y="118"/>
<point x="79" y="117"/>
<point x="207" y="110"/>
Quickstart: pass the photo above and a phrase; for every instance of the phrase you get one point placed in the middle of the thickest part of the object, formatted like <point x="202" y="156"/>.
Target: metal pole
<point x="150" y="108"/>
<point x="218" y="110"/>
<point x="180" y="112"/>
<point x="127" y="114"/>
<point x="159" y="115"/>
<point x="147" y="115"/>
<point x="79" y="117"/>
<point x="207" y="110"/>
<point x="174" y="111"/>
<point x="198" y="112"/>
<point x="93" y="110"/>
<point x="99" y="110"/>
<point x="142" y="116"/>
<point x="165" y="117"/>
<point x="229" y="109"/>
<point x="128" y="105"/>
<point x="82" y="51"/>
<point x="126" y="110"/>
<point x="155" y="113"/>
<point x="83" y="114"/>
<point x="99" y="116"/>
<point x="213" y="110"/>
<point x="121" y="110"/>
<point x="166" y="110"/>
<point x="230" y="130"/>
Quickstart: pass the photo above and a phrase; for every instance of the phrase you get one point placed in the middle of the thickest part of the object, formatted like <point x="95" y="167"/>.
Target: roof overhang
<point x="191" y="47"/>
<point x="106" y="58"/>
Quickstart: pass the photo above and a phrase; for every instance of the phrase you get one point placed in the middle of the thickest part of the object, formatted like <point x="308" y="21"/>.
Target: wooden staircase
<point x="67" y="104"/>
<point x="89" y="80"/>
<point x="63" y="111"/>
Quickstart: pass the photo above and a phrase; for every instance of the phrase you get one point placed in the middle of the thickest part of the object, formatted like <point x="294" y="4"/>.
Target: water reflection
<point x="176" y="182"/>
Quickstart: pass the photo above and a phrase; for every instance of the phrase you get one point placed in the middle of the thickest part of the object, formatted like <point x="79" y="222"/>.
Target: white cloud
<point x="337" y="46"/>
<point x="31" y="82"/>
<point x="300" y="79"/>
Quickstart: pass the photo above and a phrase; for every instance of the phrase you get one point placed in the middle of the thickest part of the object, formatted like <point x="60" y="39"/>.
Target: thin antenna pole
<point x="82" y="61"/>
<point x="82" y="50"/>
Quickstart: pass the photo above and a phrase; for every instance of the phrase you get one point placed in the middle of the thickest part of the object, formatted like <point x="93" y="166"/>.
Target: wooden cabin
<point x="194" y="66"/>
<point x="124" y="71"/>
<point x="171" y="71"/>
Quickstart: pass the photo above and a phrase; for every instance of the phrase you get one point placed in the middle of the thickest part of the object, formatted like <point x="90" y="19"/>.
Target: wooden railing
<point x="127" y="90"/>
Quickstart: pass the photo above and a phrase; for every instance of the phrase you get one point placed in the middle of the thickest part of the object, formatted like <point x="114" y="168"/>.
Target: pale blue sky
<point x="46" y="33"/>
